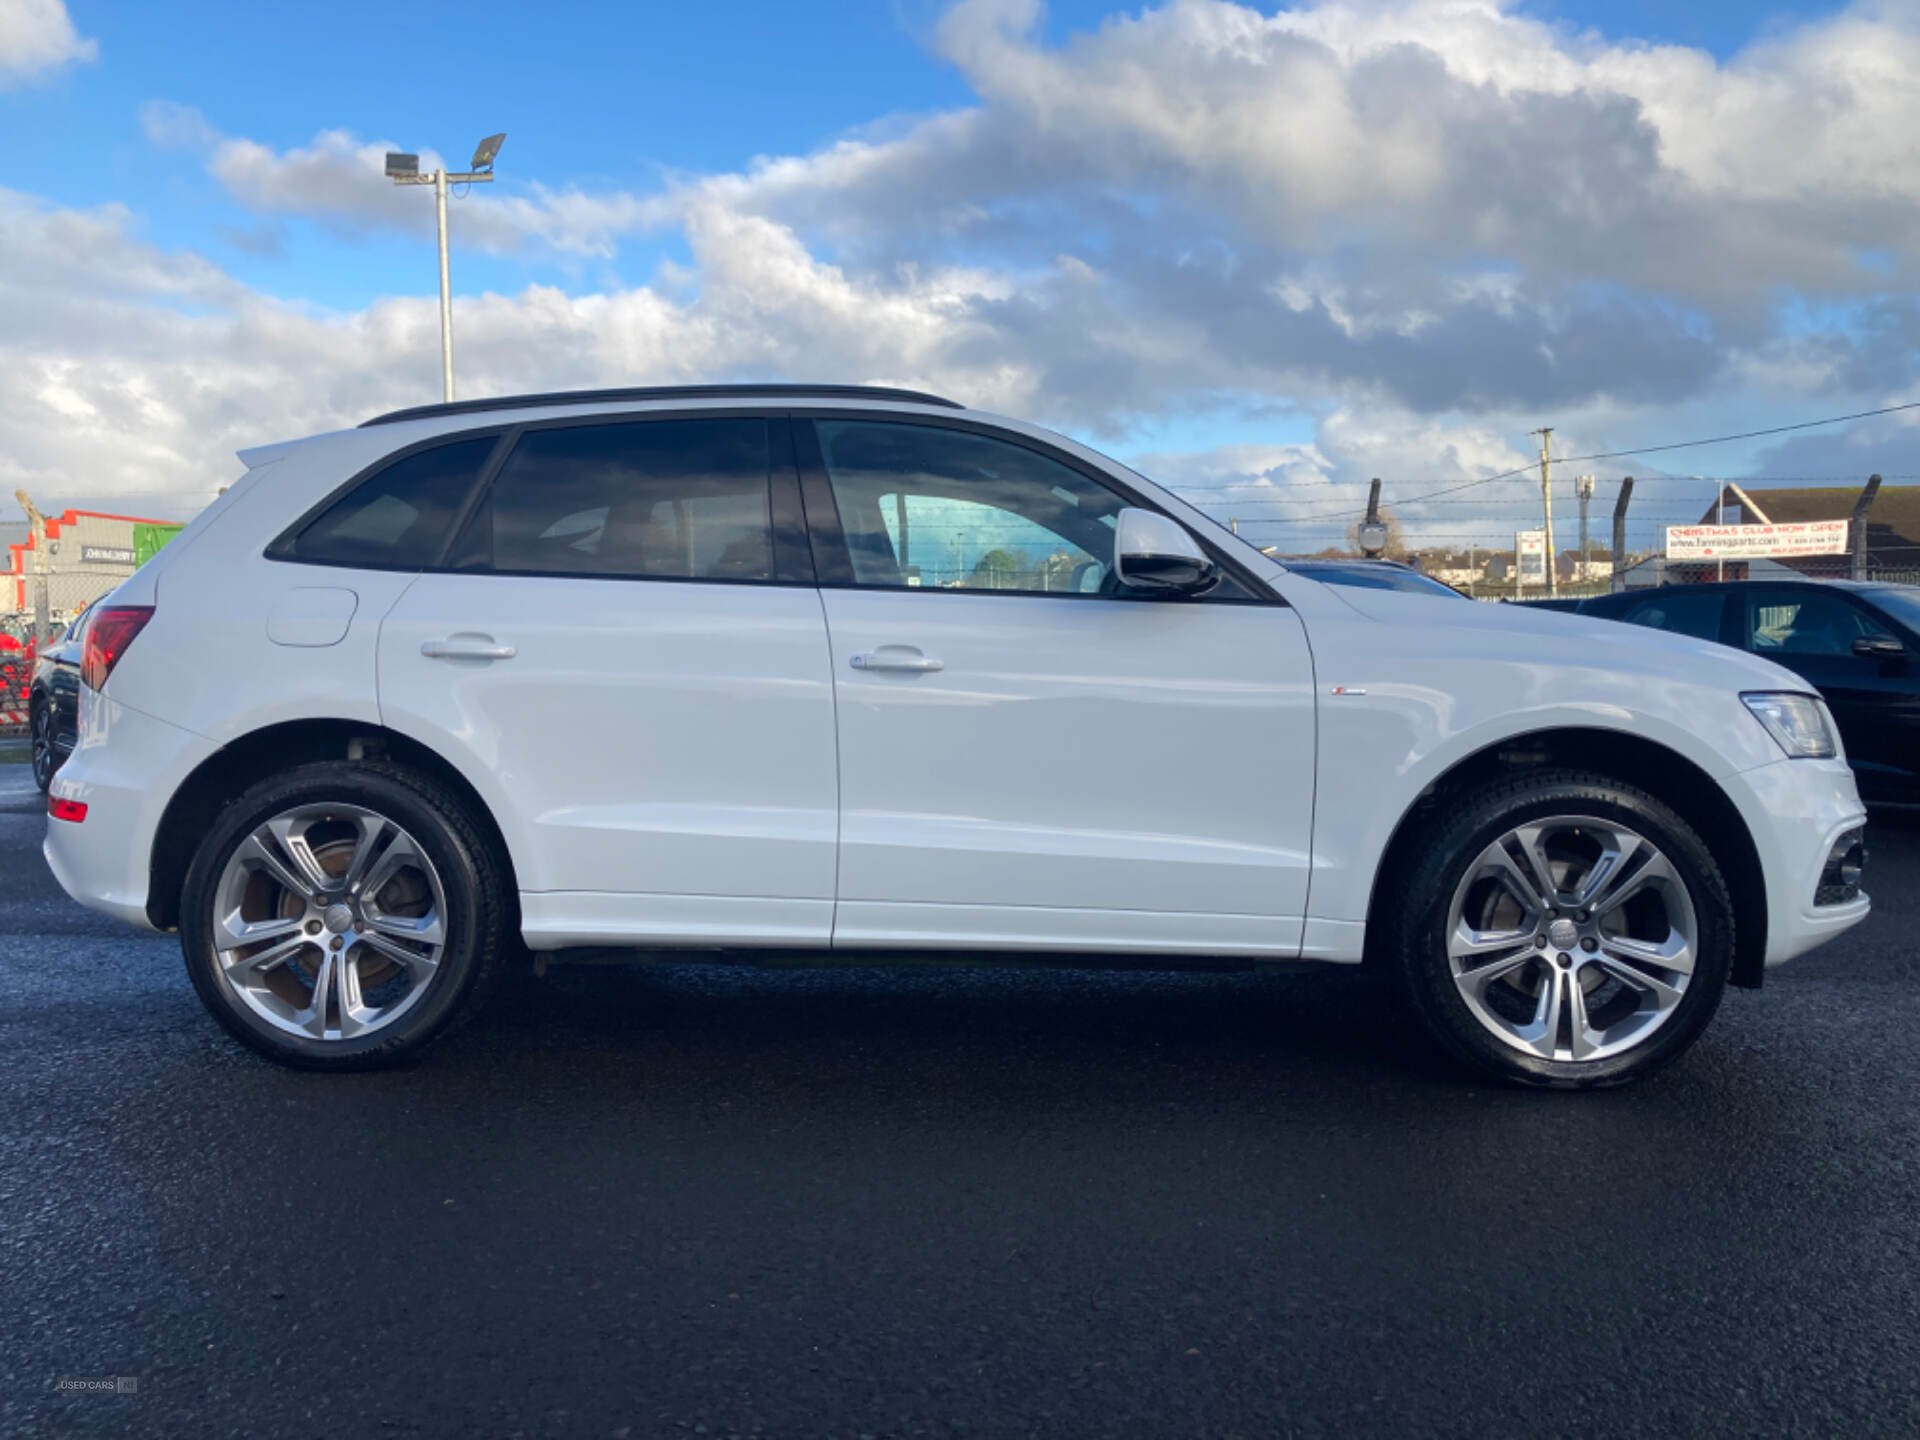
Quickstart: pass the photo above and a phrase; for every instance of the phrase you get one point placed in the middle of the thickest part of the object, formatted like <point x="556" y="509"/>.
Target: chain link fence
<point x="18" y="651"/>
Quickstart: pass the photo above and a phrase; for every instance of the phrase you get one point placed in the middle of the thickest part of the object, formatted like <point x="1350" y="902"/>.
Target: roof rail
<point x="663" y="392"/>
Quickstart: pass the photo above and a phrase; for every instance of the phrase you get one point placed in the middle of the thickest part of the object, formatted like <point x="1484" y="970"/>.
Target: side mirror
<point x="1151" y="552"/>
<point x="1879" y="647"/>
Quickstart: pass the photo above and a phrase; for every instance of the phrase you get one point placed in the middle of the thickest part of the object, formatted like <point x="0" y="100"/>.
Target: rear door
<point x="625" y="646"/>
<point x="1031" y="757"/>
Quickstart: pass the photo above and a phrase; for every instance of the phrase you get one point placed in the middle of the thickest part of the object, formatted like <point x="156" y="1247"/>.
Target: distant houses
<point x="1463" y="569"/>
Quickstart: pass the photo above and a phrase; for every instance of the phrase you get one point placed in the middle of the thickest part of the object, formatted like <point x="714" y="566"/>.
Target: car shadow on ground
<point x="1329" y="1023"/>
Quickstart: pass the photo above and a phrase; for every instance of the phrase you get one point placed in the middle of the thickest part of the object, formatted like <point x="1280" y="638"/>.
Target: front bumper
<point x="1796" y="810"/>
<point x="125" y="768"/>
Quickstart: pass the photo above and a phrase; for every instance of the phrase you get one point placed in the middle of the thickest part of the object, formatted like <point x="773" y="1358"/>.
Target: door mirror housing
<point x="1880" y="647"/>
<point x="1151" y="552"/>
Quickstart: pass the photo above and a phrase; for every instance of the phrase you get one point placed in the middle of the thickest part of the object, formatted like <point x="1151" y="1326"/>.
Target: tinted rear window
<point x="669" y="499"/>
<point x="398" y="518"/>
<point x="1683" y="611"/>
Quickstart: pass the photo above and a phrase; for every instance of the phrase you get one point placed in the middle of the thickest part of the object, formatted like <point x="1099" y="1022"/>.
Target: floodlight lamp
<point x="484" y="152"/>
<point x="399" y="164"/>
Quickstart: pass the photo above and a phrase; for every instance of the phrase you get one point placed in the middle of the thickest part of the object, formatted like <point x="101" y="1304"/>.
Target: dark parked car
<point x="53" y="703"/>
<point x="1858" y="644"/>
<point x="1371" y="575"/>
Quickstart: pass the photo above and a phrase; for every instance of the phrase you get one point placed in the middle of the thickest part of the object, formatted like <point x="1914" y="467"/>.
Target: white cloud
<point x="1415" y="138"/>
<point x="137" y="393"/>
<point x="1434" y="224"/>
<point x="340" y="181"/>
<point x="136" y="373"/>
<point x="36" y="37"/>
<point x="1304" y="497"/>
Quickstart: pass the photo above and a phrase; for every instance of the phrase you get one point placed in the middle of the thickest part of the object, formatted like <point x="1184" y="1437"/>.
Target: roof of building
<point x="1893" y="524"/>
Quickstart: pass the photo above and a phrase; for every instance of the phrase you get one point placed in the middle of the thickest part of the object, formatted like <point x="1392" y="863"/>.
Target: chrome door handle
<point x="897" y="657"/>
<point x="467" y="647"/>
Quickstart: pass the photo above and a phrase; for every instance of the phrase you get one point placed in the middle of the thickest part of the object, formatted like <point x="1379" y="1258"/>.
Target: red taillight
<point x="108" y="634"/>
<point x="74" y="810"/>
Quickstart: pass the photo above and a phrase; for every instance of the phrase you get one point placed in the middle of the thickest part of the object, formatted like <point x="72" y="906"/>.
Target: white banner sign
<point x="1755" y="542"/>
<point x="1530" y="553"/>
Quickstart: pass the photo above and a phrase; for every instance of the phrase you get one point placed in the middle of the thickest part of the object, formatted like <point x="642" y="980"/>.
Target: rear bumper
<point x="1796" y="809"/>
<point x="125" y="768"/>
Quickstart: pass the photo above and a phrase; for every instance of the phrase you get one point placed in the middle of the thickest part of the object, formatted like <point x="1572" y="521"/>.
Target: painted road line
<point x="17" y="780"/>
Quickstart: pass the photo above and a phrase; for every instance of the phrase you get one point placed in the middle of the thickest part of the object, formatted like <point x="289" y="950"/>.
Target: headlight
<point x="1797" y="722"/>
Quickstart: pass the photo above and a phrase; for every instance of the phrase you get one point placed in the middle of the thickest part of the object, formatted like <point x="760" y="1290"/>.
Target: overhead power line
<point x="1745" y="435"/>
<point x="1619" y="454"/>
<point x="1237" y="494"/>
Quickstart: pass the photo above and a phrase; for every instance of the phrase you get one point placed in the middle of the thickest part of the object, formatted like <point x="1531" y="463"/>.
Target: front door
<point x="1029" y="755"/>
<point x="1811" y="630"/>
<point x="627" y="653"/>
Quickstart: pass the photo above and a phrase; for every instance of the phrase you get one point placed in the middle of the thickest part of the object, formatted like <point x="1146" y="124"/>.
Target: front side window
<point x="664" y="499"/>
<point x="952" y="510"/>
<point x="1804" y="622"/>
<point x="397" y="518"/>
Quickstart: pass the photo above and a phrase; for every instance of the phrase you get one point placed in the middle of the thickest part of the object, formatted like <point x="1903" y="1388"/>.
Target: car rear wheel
<point x="46" y="760"/>
<point x="341" y="916"/>
<point x="1567" y="930"/>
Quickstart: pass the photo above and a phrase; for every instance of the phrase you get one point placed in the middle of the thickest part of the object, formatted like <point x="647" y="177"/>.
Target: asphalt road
<point x="886" y="1202"/>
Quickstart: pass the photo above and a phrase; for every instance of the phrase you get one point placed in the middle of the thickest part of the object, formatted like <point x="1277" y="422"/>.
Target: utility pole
<point x="1583" y="487"/>
<point x="404" y="169"/>
<point x="42" y="620"/>
<point x="1546" y="502"/>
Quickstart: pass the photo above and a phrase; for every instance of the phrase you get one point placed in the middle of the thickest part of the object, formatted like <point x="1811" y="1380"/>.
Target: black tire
<point x="1438" y="860"/>
<point x="46" y="764"/>
<point x="471" y="874"/>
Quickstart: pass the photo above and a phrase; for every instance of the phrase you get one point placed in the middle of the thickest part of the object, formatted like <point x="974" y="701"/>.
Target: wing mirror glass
<point x="1879" y="647"/>
<point x="1151" y="552"/>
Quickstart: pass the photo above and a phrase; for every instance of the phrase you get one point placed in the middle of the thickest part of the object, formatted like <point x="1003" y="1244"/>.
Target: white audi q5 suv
<point x="847" y="670"/>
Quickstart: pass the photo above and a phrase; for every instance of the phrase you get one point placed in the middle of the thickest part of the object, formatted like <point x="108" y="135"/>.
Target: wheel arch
<point x="1678" y="781"/>
<point x="237" y="765"/>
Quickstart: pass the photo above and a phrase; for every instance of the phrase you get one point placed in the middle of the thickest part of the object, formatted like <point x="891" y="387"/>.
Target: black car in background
<point x="53" y="702"/>
<point x="1857" y="643"/>
<point x="1371" y="575"/>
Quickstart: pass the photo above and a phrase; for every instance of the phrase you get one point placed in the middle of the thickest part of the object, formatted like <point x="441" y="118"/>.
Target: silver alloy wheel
<point x="329" y="921"/>
<point x="1572" y="938"/>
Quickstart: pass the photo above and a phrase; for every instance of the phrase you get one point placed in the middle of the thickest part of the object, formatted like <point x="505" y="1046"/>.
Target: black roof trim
<point x="664" y="392"/>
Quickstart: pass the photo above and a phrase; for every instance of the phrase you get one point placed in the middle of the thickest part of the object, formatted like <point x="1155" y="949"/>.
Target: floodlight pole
<point x="403" y="169"/>
<point x="446" y="289"/>
<point x="440" y="179"/>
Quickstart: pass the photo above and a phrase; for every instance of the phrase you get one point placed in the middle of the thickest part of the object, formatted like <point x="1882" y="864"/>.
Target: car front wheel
<point x="341" y="916"/>
<point x="1565" y="929"/>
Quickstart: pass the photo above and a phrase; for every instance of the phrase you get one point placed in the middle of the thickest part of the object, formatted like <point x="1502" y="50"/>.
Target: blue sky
<point x="1098" y="268"/>
<point x="594" y="95"/>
